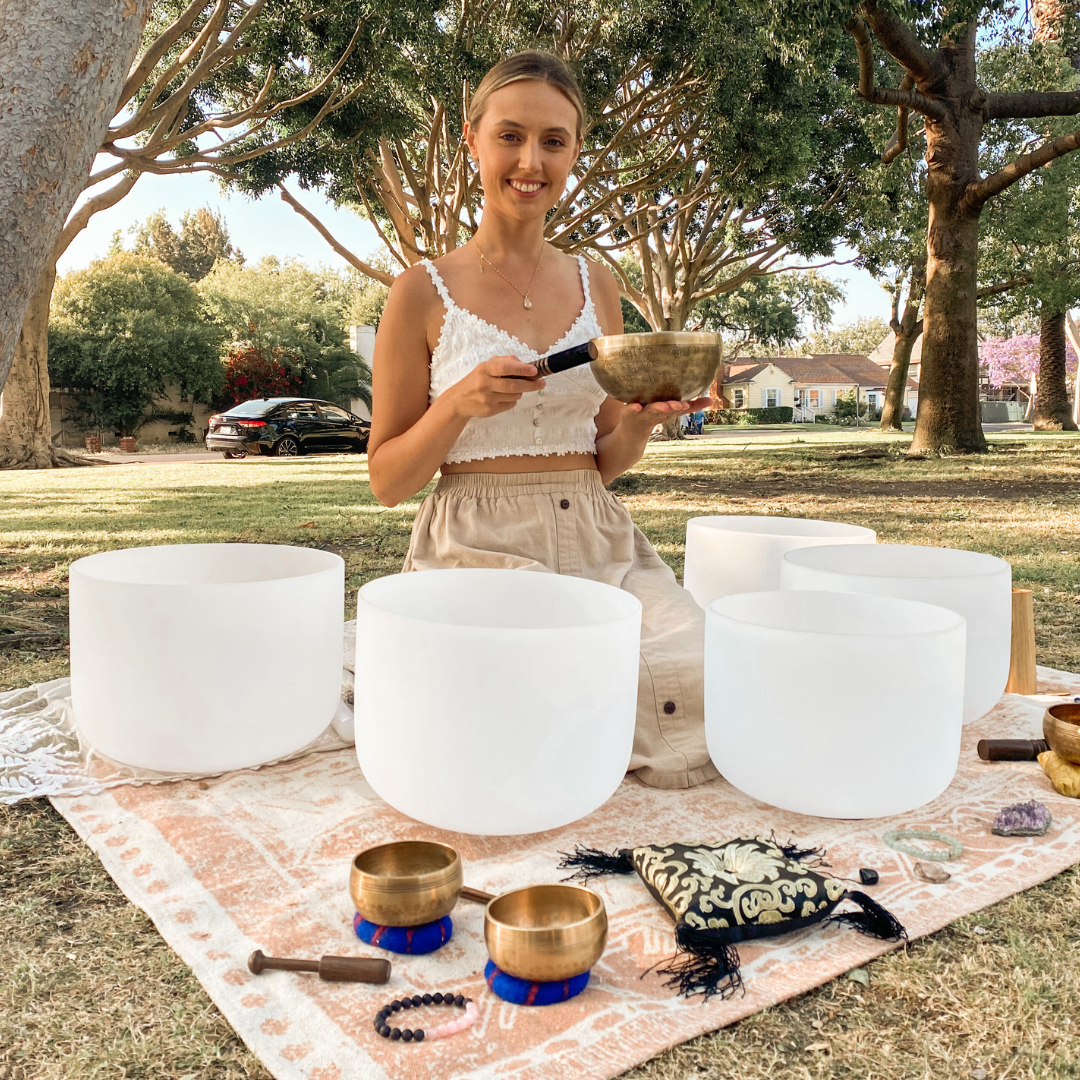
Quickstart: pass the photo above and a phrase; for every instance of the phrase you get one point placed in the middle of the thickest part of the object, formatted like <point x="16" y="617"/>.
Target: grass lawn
<point x="90" y="990"/>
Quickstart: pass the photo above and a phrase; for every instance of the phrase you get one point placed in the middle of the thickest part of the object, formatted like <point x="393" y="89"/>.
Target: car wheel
<point x="287" y="447"/>
<point x="235" y="453"/>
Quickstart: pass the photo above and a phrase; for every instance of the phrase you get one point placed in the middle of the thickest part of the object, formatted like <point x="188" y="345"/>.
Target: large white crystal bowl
<point x="734" y="553"/>
<point x="495" y="702"/>
<point x="974" y="585"/>
<point x="834" y="704"/>
<point x="200" y="658"/>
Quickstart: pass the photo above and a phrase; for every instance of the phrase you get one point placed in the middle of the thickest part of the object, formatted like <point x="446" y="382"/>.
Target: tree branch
<point x="1032" y="105"/>
<point x="898" y="143"/>
<point x="977" y="193"/>
<point x="324" y="232"/>
<point x="1003" y="287"/>
<point x="81" y="218"/>
<point x="901" y="44"/>
<point x="881" y="95"/>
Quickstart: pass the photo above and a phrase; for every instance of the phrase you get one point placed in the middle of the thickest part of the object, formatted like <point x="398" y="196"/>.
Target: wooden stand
<point x="1022" y="660"/>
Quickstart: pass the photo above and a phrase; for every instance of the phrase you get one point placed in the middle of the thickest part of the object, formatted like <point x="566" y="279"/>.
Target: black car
<point x="286" y="427"/>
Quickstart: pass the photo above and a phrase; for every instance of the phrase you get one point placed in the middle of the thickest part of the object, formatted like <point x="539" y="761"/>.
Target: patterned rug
<point x="261" y="860"/>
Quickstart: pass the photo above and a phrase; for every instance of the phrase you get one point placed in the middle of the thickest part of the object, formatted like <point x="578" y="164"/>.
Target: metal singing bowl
<point x="545" y="933"/>
<point x="668" y="365"/>
<point x="1061" y="730"/>
<point x="406" y="883"/>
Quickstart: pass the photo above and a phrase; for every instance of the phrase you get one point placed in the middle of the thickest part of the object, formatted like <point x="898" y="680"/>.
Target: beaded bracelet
<point x="451" y="1027"/>
<point x="895" y="838"/>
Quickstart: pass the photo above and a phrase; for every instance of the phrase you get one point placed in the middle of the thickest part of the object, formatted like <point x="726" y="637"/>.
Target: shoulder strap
<point x="583" y="266"/>
<point x="438" y="282"/>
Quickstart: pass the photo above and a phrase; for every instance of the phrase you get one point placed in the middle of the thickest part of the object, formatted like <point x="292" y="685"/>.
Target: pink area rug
<point x="261" y="860"/>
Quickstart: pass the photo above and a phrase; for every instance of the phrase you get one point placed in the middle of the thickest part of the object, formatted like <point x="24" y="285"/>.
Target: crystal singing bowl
<point x="668" y="365"/>
<point x="1061" y="730"/>
<point x="545" y="933"/>
<point x="406" y="883"/>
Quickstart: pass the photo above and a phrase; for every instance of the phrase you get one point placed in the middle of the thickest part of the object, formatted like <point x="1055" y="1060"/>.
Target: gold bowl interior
<point x="406" y="883"/>
<point x="1061" y="730"/>
<point x="546" y="932"/>
<point x="668" y="365"/>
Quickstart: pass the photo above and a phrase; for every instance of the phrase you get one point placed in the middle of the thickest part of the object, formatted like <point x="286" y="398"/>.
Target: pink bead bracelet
<point x="443" y="1031"/>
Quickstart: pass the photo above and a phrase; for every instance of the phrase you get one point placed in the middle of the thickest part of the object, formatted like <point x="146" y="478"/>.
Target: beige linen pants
<point x="569" y="523"/>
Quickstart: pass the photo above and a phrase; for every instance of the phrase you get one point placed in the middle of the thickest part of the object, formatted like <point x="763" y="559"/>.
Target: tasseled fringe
<point x="792" y="850"/>
<point x="701" y="966"/>
<point x="872" y="920"/>
<point x="590" y="862"/>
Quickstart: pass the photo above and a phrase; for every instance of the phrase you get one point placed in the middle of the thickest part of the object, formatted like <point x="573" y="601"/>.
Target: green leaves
<point x="124" y="329"/>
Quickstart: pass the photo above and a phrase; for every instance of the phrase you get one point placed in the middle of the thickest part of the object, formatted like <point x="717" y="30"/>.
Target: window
<point x="772" y="397"/>
<point x="871" y="400"/>
<point x="815" y="399"/>
<point x="301" y="410"/>
<point x="737" y="398"/>
<point x="332" y="412"/>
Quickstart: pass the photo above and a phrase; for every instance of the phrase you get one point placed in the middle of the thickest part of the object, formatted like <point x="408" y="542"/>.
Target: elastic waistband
<point x="494" y="485"/>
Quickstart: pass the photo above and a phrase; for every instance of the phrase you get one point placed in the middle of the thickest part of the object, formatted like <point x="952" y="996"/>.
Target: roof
<point x="822" y="368"/>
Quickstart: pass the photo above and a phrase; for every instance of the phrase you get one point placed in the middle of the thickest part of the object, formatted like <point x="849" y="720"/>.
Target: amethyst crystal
<point x="1022" y="819"/>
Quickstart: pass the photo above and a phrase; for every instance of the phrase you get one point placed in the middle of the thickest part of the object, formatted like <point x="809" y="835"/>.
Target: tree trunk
<point x="25" y="424"/>
<point x="892" y="412"/>
<point x="1052" y="412"/>
<point x="906" y="331"/>
<point x="949" y="417"/>
<point x="61" y="70"/>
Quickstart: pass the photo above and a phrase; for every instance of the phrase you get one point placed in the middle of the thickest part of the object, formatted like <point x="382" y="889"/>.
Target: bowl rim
<point x="423" y="880"/>
<point x="659" y="337"/>
<point x="601" y="909"/>
<point x="1061" y="719"/>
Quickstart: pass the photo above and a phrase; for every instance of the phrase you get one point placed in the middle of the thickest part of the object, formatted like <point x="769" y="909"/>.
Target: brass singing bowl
<point x="668" y="365"/>
<point x="406" y="883"/>
<point x="546" y="933"/>
<point x="1061" y="730"/>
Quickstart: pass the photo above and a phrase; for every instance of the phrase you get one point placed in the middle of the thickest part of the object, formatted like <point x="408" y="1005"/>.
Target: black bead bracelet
<point x="416" y="1001"/>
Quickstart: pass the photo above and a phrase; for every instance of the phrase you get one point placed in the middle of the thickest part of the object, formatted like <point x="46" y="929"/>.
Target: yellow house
<point x="807" y="384"/>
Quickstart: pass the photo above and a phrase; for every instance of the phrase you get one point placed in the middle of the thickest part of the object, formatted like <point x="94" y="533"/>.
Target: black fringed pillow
<point x="719" y="895"/>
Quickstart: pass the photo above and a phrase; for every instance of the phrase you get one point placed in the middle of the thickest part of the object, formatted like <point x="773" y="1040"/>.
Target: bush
<point x="778" y="414"/>
<point x="250" y="373"/>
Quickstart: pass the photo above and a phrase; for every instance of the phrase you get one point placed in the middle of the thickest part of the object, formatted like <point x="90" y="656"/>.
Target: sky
<point x="268" y="226"/>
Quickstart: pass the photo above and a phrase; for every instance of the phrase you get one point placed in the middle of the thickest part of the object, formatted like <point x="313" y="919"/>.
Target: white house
<point x="808" y="384"/>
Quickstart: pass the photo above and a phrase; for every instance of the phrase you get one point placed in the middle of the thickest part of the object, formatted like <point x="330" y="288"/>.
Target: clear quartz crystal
<point x="526" y="302"/>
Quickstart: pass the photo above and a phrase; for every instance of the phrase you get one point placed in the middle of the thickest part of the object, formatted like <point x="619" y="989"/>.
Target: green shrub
<point x="778" y="414"/>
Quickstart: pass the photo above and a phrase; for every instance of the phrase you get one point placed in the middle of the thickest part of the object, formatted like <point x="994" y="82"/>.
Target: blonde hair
<point x="533" y="64"/>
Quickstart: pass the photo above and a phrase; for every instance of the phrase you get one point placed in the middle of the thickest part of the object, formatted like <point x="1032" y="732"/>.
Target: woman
<point x="524" y="461"/>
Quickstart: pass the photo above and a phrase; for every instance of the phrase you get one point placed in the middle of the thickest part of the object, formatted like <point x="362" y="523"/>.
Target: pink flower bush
<point x="1016" y="359"/>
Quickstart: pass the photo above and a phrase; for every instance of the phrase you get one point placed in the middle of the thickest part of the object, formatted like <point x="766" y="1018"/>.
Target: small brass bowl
<point x="545" y="933"/>
<point x="668" y="365"/>
<point x="1061" y="730"/>
<point x="406" y="883"/>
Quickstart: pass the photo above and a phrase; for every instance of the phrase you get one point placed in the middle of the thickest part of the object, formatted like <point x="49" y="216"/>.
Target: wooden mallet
<point x="330" y="968"/>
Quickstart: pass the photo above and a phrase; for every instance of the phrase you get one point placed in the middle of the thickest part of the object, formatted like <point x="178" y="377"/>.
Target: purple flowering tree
<point x="1016" y="359"/>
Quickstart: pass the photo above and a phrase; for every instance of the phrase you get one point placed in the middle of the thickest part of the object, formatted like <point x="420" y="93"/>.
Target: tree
<point x="704" y="156"/>
<point x="766" y="314"/>
<point x="934" y="43"/>
<point x="1031" y="235"/>
<point x="292" y="316"/>
<point x="200" y="96"/>
<point x="860" y="337"/>
<point x="124" y="331"/>
<point x="202" y="240"/>
<point x="1019" y="359"/>
<point x="61" y="68"/>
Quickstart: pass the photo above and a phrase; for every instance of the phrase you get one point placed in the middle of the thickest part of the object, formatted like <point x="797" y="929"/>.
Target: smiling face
<point x="525" y="145"/>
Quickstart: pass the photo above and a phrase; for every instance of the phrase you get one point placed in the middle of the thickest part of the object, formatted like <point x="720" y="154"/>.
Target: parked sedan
<point x="286" y="427"/>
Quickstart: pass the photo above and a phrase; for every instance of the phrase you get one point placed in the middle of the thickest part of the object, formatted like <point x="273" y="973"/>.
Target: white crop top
<point x="556" y="420"/>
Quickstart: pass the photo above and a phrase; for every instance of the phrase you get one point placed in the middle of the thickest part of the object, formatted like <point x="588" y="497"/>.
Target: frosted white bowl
<point x="734" y="554"/>
<point x="495" y="702"/>
<point x="974" y="585"/>
<point x="205" y="657"/>
<point x="834" y="704"/>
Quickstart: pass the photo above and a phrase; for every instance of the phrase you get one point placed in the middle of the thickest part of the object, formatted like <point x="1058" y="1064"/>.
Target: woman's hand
<point x="659" y="412"/>
<point x="494" y="387"/>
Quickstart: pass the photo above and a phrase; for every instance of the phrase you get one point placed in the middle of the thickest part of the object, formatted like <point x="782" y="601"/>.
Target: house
<point x="808" y="384"/>
<point x="882" y="355"/>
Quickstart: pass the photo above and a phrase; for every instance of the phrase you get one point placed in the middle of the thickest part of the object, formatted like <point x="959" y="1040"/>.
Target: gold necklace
<point x="525" y="301"/>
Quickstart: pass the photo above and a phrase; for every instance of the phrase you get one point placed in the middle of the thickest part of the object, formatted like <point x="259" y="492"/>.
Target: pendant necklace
<point x="525" y="301"/>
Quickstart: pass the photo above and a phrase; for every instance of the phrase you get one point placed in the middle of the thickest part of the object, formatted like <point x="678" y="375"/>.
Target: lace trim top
<point x="556" y="420"/>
